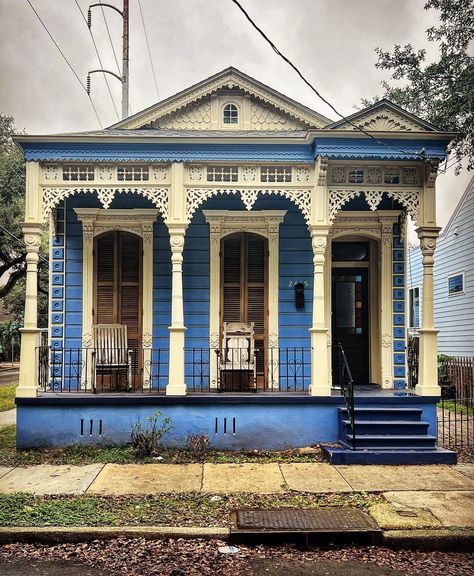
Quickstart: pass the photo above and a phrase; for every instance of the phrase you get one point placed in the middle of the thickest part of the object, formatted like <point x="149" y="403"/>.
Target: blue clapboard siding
<point x="454" y="315"/>
<point x="73" y="304"/>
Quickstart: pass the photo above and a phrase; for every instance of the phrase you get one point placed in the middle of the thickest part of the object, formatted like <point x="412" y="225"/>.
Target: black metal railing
<point x="455" y="421"/>
<point x="347" y="389"/>
<point x="456" y="405"/>
<point x="239" y="370"/>
<point x="85" y="370"/>
<point x="413" y="362"/>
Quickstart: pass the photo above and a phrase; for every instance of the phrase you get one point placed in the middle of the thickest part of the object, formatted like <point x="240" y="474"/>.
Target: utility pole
<point x="125" y="60"/>
<point x="124" y="79"/>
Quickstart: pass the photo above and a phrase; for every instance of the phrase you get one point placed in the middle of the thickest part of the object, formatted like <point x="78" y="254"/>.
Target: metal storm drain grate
<point x="292" y="520"/>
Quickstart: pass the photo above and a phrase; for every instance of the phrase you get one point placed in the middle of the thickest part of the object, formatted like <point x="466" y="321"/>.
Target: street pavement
<point x="9" y="374"/>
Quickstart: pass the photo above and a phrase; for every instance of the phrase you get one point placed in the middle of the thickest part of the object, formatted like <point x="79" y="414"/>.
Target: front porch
<point x="306" y="270"/>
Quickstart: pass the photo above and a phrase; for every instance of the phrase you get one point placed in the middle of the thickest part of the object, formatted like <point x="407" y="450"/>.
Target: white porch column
<point x="177" y="224"/>
<point x="320" y="374"/>
<point x="32" y="231"/>
<point x="321" y="378"/>
<point x="386" y="299"/>
<point x="428" y="362"/>
<point x="176" y="382"/>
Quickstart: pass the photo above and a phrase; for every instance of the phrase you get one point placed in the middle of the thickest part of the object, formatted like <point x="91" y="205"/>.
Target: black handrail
<point x="347" y="388"/>
<point x="413" y="362"/>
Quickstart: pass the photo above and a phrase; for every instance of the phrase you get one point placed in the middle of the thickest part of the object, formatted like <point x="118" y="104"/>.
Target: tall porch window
<point x="244" y="288"/>
<point x="118" y="286"/>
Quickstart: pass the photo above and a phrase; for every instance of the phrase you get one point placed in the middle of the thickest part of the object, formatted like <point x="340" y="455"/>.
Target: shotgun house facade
<point x="235" y="260"/>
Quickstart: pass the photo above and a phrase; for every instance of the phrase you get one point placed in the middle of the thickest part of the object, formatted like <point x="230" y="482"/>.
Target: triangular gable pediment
<point x="195" y="108"/>
<point x="384" y="116"/>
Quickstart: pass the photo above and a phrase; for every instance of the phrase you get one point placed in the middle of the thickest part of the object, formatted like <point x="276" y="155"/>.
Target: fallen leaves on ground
<point x="180" y="557"/>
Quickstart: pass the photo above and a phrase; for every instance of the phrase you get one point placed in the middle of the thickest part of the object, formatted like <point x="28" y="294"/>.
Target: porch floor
<point x="371" y="391"/>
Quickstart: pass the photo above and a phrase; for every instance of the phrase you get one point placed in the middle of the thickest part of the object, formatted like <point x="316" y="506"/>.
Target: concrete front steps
<point x="387" y="436"/>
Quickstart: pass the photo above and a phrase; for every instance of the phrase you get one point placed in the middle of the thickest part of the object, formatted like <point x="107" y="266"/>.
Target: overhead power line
<point x="452" y="162"/>
<point x="98" y="56"/>
<point x="308" y="83"/>
<point x="149" y="51"/>
<point x="20" y="241"/>
<point x="66" y="60"/>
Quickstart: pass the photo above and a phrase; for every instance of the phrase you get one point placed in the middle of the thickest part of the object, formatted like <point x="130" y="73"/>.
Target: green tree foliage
<point x="12" y="250"/>
<point x="440" y="91"/>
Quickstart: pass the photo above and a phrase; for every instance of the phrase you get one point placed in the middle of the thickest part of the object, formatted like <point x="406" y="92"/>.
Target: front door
<point x="350" y="320"/>
<point x="118" y="288"/>
<point x="244" y="288"/>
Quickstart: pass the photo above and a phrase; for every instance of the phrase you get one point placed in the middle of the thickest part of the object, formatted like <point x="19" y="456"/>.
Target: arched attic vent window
<point x="231" y="114"/>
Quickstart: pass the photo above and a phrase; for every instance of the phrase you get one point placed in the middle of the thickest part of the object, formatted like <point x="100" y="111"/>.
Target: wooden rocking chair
<point x="111" y="355"/>
<point x="237" y="363"/>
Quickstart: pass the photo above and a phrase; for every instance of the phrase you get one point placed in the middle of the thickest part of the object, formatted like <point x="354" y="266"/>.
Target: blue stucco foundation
<point x="232" y="423"/>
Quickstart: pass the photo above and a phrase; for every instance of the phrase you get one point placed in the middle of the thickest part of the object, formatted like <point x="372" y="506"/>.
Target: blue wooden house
<point x="236" y="261"/>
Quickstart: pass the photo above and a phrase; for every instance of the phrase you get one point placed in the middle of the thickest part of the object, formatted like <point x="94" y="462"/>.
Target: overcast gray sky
<point x="332" y="41"/>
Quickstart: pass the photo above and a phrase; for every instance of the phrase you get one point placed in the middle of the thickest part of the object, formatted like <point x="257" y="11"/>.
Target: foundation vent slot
<point x="225" y="425"/>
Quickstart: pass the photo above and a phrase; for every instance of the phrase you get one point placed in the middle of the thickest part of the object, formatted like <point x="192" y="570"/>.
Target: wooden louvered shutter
<point x="255" y="289"/>
<point x="118" y="258"/>
<point x="232" y="305"/>
<point x="244" y="259"/>
<point x="106" y="305"/>
<point x="130" y="288"/>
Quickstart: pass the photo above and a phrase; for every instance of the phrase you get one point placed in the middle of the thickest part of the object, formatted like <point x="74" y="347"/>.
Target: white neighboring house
<point x="453" y="282"/>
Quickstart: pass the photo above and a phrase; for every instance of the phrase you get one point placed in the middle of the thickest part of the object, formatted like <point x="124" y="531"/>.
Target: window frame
<point x="218" y="173"/>
<point x="463" y="290"/>
<point x="87" y="170"/>
<point x="126" y="173"/>
<point x="237" y="115"/>
<point x="411" y="308"/>
<point x="276" y="174"/>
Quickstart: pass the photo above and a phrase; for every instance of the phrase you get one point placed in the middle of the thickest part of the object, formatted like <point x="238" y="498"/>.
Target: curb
<point x="447" y="539"/>
<point x="456" y="539"/>
<point x="62" y="534"/>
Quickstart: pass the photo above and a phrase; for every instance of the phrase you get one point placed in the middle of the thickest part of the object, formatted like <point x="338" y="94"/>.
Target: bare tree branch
<point x="12" y="279"/>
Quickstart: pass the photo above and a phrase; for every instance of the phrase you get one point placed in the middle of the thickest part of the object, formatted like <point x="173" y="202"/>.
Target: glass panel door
<point x="350" y="319"/>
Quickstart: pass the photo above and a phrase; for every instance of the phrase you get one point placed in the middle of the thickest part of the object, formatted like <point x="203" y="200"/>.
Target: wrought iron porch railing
<point x="86" y="370"/>
<point x="347" y="388"/>
<point x="232" y="370"/>
<point x="413" y="362"/>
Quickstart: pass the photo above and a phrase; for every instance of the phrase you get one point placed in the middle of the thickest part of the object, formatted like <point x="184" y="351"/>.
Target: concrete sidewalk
<point x="7" y="418"/>
<point x="416" y="497"/>
<point x="272" y="478"/>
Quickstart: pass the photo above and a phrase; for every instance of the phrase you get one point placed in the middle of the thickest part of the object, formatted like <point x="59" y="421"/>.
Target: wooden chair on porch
<point x="112" y="360"/>
<point x="237" y="363"/>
